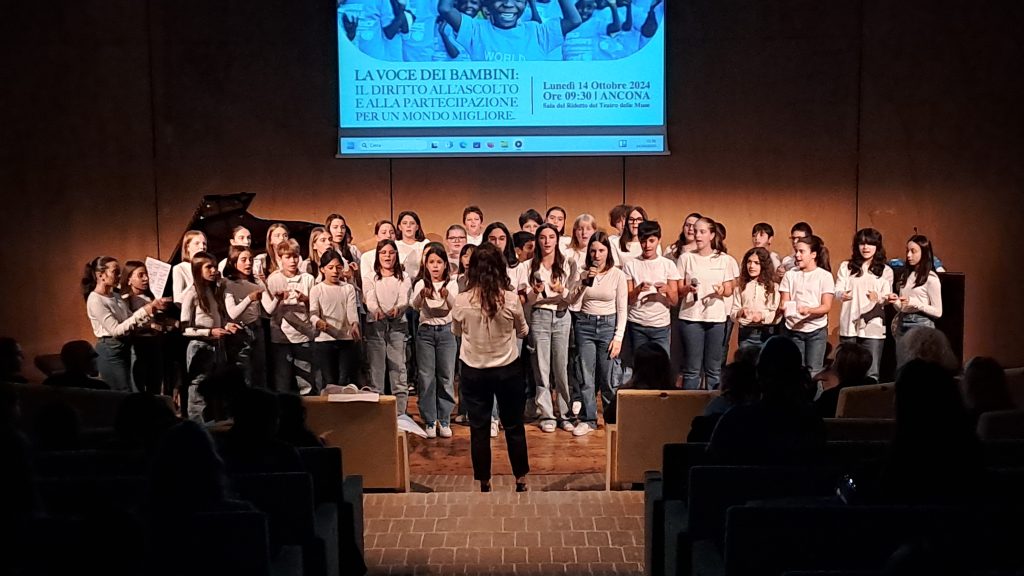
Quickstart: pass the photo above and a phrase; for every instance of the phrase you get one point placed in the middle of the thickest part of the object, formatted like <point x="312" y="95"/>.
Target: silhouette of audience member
<point x="781" y="426"/>
<point x="11" y="359"/>
<point x="252" y="445"/>
<point x="141" y="420"/>
<point x="850" y="368"/>
<point x="738" y="385"/>
<point x="928" y="344"/>
<point x="292" y="428"/>
<point x="79" y="359"/>
<point x="220" y="389"/>
<point x="652" y="370"/>
<point x="20" y="500"/>
<point x="56" y="427"/>
<point x="935" y="456"/>
<point x="924" y="558"/>
<point x="984" y="388"/>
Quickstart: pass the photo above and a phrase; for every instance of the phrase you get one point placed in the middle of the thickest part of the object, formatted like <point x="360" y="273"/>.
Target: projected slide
<point x="497" y="77"/>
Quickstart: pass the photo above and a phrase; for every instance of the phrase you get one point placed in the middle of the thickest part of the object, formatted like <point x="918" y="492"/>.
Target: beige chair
<point x="859" y="429"/>
<point x="371" y="444"/>
<point x="871" y="401"/>
<point x="646" y="420"/>
<point x="1001" y="425"/>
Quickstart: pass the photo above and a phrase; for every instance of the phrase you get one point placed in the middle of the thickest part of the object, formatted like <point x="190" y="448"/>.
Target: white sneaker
<point x="431" y="430"/>
<point x="567" y="426"/>
<point x="582" y="429"/>
<point x="547" y="426"/>
<point x="494" y="428"/>
<point x="576" y="407"/>
<point x="446" y="431"/>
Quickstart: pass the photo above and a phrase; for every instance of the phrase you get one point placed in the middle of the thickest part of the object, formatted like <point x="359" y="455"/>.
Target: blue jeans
<point x="703" y="350"/>
<point x="114" y="360"/>
<point x="550" y="332"/>
<point x="907" y="322"/>
<point x="385" y="350"/>
<point x="293" y="363"/>
<point x="873" y="345"/>
<point x="435" y="361"/>
<point x="754" y="336"/>
<point x="811" y="346"/>
<point x="593" y="335"/>
<point x="638" y="335"/>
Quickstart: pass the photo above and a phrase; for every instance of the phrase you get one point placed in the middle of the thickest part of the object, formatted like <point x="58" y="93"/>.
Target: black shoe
<point x="521" y="487"/>
<point x="485" y="486"/>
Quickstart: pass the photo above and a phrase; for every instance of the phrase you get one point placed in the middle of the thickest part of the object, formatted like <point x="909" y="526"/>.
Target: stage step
<point x="502" y="532"/>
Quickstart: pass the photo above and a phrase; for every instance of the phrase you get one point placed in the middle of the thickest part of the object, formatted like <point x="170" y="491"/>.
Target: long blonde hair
<point x="185" y="240"/>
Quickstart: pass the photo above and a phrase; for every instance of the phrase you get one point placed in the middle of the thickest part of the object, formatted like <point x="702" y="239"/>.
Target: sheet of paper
<point x="159" y="272"/>
<point x="791" y="308"/>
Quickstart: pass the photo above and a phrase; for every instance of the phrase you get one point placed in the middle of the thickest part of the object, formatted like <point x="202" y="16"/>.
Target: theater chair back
<point x="871" y="401"/>
<point x="646" y="420"/>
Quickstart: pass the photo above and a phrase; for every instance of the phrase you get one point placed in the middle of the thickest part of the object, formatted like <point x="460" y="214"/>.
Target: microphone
<point x="693" y="284"/>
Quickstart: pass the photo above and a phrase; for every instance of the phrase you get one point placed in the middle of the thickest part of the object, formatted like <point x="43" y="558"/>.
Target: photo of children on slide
<point x="499" y="30"/>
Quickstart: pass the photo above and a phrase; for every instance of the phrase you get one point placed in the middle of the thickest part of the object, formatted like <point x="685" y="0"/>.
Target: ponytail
<point x="93" y="267"/>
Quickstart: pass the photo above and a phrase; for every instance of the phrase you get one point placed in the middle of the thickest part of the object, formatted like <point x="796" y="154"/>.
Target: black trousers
<point x="480" y="386"/>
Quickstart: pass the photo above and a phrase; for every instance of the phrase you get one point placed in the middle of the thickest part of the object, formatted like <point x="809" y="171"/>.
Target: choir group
<point x="384" y="318"/>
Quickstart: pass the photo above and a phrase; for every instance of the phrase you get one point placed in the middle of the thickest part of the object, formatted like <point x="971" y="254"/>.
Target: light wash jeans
<point x="435" y="361"/>
<point x="702" y="343"/>
<point x="593" y="335"/>
<point x="385" y="350"/>
<point x="873" y="345"/>
<point x="114" y="360"/>
<point x="549" y="330"/>
<point x="811" y="346"/>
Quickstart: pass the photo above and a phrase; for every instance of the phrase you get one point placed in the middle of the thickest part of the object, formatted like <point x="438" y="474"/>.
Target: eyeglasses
<point x="456" y="238"/>
<point x="632" y="220"/>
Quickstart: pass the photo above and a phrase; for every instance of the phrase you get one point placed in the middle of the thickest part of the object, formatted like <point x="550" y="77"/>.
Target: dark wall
<point x="118" y="116"/>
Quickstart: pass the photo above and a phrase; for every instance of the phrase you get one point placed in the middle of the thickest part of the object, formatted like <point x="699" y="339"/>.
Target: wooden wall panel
<point x="75" y="159"/>
<point x="503" y="188"/>
<point x="941" y="149"/>
<point x="245" y="100"/>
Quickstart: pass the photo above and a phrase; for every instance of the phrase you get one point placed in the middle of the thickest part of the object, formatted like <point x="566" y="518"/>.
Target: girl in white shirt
<point x="862" y="285"/>
<point x="411" y="242"/>
<point x="267" y="263"/>
<point x="583" y="229"/>
<point x="433" y="296"/>
<point x="204" y="322"/>
<point x="387" y="299"/>
<point x="193" y="242"/>
<point x="628" y="247"/>
<point x="382" y="230"/>
<point x="556" y="217"/>
<point x="332" y="310"/>
<point x="685" y="242"/>
<point x="552" y="280"/>
<point x="240" y="237"/>
<point x="113" y="321"/>
<point x="287" y="301"/>
<point x="755" y="309"/>
<point x="919" y="301"/>
<point x="602" y="297"/>
<point x="319" y="244"/>
<point x="707" y="278"/>
<point x="807" y="294"/>
<point x="242" y="301"/>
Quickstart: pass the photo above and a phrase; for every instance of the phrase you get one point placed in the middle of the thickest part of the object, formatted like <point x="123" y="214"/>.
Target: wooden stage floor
<point x="558" y="452"/>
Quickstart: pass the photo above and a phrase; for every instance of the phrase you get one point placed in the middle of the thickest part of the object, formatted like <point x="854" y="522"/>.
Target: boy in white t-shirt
<point x="653" y="289"/>
<point x="503" y="37"/>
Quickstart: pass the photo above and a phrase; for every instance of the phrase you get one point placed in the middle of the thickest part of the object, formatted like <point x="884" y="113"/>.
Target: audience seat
<point x="859" y="429"/>
<point x="1015" y="382"/>
<point x="368" y="435"/>
<point x="870" y="401"/>
<point x="96" y="408"/>
<point x="1001" y="425"/>
<point x="646" y="420"/>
